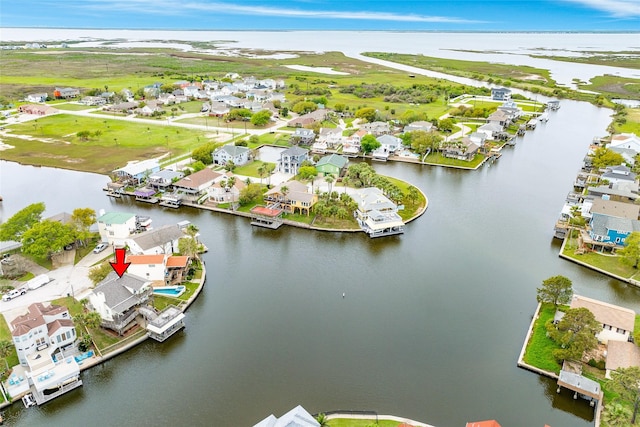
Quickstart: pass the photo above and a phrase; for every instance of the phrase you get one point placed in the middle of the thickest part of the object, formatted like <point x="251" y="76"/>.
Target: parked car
<point x="14" y="293"/>
<point x="101" y="247"/>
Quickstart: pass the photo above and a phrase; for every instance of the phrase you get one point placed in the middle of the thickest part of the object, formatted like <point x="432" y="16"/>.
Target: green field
<point x="52" y="141"/>
<point x="614" y="86"/>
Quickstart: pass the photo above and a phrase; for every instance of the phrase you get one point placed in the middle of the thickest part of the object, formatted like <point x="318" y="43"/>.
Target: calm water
<point x="430" y="328"/>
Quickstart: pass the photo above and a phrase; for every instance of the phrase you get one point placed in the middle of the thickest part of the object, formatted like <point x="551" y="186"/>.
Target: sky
<point x="421" y="15"/>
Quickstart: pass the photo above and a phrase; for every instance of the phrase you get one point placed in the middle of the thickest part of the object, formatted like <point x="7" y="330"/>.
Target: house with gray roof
<point x="376" y="214"/>
<point x="491" y="130"/>
<point x="610" y="229"/>
<point x="613" y="208"/>
<point x="291" y="158"/>
<point x="465" y="149"/>
<point x="235" y="153"/>
<point x="117" y="300"/>
<point x="500" y="94"/>
<point x="618" y="173"/>
<point x="138" y="171"/>
<point x="297" y="417"/>
<point x="302" y="136"/>
<point x="625" y="191"/>
<point x="419" y="125"/>
<point x="161" y="240"/>
<point x="164" y="179"/>
<point x="376" y="128"/>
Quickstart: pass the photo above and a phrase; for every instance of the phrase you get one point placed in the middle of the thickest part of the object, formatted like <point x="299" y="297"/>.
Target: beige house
<point x="617" y="322"/>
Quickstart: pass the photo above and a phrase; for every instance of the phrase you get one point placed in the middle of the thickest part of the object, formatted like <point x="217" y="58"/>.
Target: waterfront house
<point x="117" y="299"/>
<point x="163" y="180"/>
<point x="37" y="97"/>
<point x="235" y="153"/>
<point x="511" y="109"/>
<point x="389" y="143"/>
<point x="613" y="208"/>
<point x="499" y="118"/>
<point x="137" y="172"/>
<point x="621" y="354"/>
<point x="626" y="140"/>
<point x="617" y="322"/>
<point x="222" y="192"/>
<point x="302" y="136"/>
<point x="161" y="240"/>
<point x="291" y="196"/>
<point x="42" y="327"/>
<point x="331" y="136"/>
<point x="478" y="138"/>
<point x="194" y="187"/>
<point x="376" y="214"/>
<point x="465" y="149"/>
<point x="491" y="130"/>
<point x="376" y="128"/>
<point x="333" y="164"/>
<point x="628" y="154"/>
<point x="297" y="417"/>
<point x="611" y="230"/>
<point x="291" y="158"/>
<point x="614" y="174"/>
<point x="176" y="269"/>
<point x="149" y="267"/>
<point x="624" y="191"/>
<point x="500" y="94"/>
<point x="116" y="227"/>
<point x="419" y="125"/>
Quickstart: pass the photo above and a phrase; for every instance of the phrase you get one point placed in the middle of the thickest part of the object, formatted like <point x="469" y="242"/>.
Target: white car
<point x="101" y="247"/>
<point x="14" y="293"/>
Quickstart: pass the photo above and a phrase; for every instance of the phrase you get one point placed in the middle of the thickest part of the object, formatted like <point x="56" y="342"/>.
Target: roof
<point x="158" y="236"/>
<point x="605" y="313"/>
<point x="146" y="259"/>
<point x="581" y="384"/>
<point x="617" y="209"/>
<point x="166" y="174"/>
<point x="261" y="210"/>
<point x="116" y="291"/>
<point x="136" y="168"/>
<point x="294" y="151"/>
<point x="62" y="217"/>
<point x="58" y="324"/>
<point x="622" y="354"/>
<point x="372" y="198"/>
<point x="197" y="179"/>
<point x="233" y="150"/>
<point x="488" y="423"/>
<point x="333" y="159"/>
<point x="389" y="140"/>
<point x="601" y="223"/>
<point x="177" y="261"/>
<point x="34" y="318"/>
<point x="295" y="186"/>
<point x="297" y="417"/>
<point x="116" y="217"/>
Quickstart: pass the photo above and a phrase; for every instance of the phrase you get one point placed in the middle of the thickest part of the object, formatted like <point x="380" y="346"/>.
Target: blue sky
<point x="475" y="15"/>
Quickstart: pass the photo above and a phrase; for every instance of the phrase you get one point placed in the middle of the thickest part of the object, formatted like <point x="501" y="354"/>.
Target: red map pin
<point x="120" y="266"/>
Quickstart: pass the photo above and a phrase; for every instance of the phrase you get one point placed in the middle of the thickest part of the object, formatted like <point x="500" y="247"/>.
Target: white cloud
<point x="164" y="7"/>
<point x="616" y="8"/>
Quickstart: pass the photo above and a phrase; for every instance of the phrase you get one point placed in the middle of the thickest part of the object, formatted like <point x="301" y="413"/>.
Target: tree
<point x="421" y="141"/>
<point x="21" y="221"/>
<point x="229" y="166"/>
<point x="263" y="171"/>
<point x="252" y="193"/>
<point x="630" y="254"/>
<point x="446" y="125"/>
<point x="329" y="180"/>
<point x="369" y="114"/>
<point x="322" y="420"/>
<point x="198" y="166"/>
<point x="98" y="274"/>
<point x="204" y="153"/>
<point x="369" y="143"/>
<point x="188" y="246"/>
<point x="626" y="382"/>
<point x="304" y="107"/>
<point x="46" y="237"/>
<point x="575" y="333"/>
<point x="261" y="118"/>
<point x="616" y="415"/>
<point x="603" y="157"/>
<point x="239" y="114"/>
<point x="556" y="290"/>
<point x="82" y="219"/>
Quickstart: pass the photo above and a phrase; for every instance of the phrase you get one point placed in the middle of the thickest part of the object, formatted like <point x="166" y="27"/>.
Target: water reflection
<point x="564" y="400"/>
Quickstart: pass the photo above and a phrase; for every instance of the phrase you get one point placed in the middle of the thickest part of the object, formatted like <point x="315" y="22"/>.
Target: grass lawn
<point x="28" y="276"/>
<point x="540" y="347"/>
<point x="191" y="289"/>
<point x="52" y="141"/>
<point x="614" y="86"/>
<point x="281" y="139"/>
<point x="632" y="124"/>
<point x="305" y="219"/>
<point x="5" y="335"/>
<point x="349" y="223"/>
<point x="74" y="306"/>
<point x="73" y="107"/>
<point x="160" y="302"/>
<point x="103" y="338"/>
<point x="251" y="169"/>
<point x="439" y="159"/>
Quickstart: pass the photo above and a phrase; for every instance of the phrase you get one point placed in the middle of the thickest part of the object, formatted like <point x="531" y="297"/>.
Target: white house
<point x="37" y="97"/>
<point x="419" y="125"/>
<point x="331" y="136"/>
<point x="161" y="240"/>
<point x="116" y="227"/>
<point x="376" y="214"/>
<point x="617" y="322"/>
<point x="237" y="154"/>
<point x="626" y="140"/>
<point x="149" y="267"/>
<point x="297" y="417"/>
<point x="41" y="328"/>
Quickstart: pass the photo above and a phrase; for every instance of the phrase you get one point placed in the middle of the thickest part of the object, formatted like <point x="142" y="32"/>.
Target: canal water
<point x="430" y="326"/>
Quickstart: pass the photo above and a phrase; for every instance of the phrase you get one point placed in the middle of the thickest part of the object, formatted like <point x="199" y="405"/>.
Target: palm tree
<point x="322" y="420"/>
<point x="329" y="180"/>
<point x="262" y="171"/>
<point x="284" y="190"/>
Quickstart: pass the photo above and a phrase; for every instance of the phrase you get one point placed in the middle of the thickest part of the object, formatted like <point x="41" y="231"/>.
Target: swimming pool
<point x="170" y="291"/>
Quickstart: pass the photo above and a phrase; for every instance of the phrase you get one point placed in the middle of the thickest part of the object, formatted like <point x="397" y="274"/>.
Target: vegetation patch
<point x="539" y="351"/>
